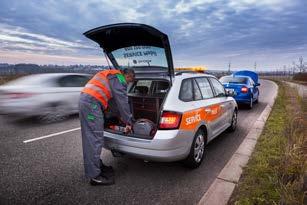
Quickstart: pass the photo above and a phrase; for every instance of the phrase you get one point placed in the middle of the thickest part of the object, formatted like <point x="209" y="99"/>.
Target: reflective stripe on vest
<point x="94" y="87"/>
<point x="105" y="83"/>
<point x="99" y="87"/>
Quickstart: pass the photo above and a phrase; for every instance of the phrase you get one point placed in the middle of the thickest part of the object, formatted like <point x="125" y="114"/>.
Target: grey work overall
<point x="92" y="125"/>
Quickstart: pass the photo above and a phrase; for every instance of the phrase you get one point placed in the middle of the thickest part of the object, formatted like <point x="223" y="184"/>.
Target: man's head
<point x="129" y="74"/>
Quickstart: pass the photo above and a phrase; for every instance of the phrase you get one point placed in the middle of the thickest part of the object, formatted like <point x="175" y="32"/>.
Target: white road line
<point x="51" y="135"/>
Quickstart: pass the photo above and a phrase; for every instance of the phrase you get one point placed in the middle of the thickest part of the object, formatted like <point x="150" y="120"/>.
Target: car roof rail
<point x="186" y="71"/>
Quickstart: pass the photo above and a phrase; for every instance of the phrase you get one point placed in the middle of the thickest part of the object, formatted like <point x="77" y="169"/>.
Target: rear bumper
<point x="167" y="145"/>
<point x="243" y="98"/>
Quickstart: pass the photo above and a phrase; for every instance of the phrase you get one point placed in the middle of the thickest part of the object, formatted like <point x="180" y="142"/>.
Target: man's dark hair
<point x="128" y="71"/>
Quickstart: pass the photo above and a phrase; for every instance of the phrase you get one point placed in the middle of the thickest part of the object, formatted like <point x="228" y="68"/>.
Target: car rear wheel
<point x="250" y="105"/>
<point x="197" y="150"/>
<point x="234" y="121"/>
<point x="53" y="113"/>
<point x="257" y="98"/>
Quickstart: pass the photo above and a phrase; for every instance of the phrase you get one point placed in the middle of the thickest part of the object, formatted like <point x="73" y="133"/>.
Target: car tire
<point x="234" y="121"/>
<point x="250" y="105"/>
<point x="197" y="150"/>
<point x="257" y="98"/>
<point x="53" y="113"/>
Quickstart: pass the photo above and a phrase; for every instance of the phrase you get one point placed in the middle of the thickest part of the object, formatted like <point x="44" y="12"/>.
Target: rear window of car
<point x="235" y="80"/>
<point x="141" y="57"/>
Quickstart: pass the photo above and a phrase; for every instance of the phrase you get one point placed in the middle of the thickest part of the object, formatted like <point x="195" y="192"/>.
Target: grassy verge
<point x="275" y="172"/>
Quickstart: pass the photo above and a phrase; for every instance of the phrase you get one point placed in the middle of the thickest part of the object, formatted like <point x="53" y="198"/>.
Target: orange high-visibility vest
<point x="99" y="87"/>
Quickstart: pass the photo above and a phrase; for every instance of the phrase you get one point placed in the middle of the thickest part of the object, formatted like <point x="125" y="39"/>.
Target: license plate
<point x="231" y="90"/>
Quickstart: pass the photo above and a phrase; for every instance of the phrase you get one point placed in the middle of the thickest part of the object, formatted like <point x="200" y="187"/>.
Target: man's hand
<point x="127" y="129"/>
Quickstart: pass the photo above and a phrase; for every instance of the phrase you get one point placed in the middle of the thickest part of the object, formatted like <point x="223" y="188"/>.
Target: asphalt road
<point x="50" y="171"/>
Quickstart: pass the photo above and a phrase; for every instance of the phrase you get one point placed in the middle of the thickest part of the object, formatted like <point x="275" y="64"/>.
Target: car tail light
<point x="19" y="95"/>
<point x="170" y="120"/>
<point x="244" y="89"/>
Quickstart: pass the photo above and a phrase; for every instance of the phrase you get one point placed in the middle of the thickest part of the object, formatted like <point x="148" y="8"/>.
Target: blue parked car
<point x="244" y="85"/>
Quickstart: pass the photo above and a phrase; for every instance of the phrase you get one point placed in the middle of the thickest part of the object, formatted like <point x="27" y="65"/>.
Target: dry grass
<point x="294" y="167"/>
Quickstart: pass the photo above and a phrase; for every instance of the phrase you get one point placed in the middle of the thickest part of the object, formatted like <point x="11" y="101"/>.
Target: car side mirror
<point x="230" y="93"/>
<point x="257" y="84"/>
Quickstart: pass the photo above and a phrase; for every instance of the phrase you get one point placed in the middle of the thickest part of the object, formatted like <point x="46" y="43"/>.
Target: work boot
<point x="106" y="170"/>
<point x="102" y="180"/>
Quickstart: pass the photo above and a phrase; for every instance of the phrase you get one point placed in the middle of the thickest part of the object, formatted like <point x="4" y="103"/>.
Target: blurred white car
<point x="50" y="97"/>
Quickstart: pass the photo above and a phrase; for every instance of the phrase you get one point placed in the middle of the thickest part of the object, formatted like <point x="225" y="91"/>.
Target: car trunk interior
<point x="145" y="99"/>
<point x="147" y="107"/>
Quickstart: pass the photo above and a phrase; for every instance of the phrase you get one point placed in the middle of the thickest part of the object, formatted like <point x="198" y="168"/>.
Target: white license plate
<point x="230" y="89"/>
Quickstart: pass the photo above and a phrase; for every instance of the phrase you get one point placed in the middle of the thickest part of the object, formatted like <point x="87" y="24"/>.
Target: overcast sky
<point x="209" y="33"/>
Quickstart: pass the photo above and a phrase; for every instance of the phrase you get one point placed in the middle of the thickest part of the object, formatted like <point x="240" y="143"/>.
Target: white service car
<point x="188" y="109"/>
<point x="50" y="97"/>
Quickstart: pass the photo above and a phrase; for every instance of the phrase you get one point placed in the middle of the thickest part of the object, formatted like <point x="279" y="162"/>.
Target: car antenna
<point x="105" y="55"/>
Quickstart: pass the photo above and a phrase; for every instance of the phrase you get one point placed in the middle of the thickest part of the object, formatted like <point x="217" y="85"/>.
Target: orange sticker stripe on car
<point x="191" y="119"/>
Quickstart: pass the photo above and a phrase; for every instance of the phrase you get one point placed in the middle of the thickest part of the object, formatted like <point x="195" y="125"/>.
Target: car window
<point x="218" y="88"/>
<point x="205" y="87"/>
<point x="186" y="93"/>
<point x="141" y="87"/>
<point x="149" y="87"/>
<point x="197" y="93"/>
<point x="73" y="81"/>
<point x="82" y="80"/>
<point x="160" y="87"/>
<point x="234" y="80"/>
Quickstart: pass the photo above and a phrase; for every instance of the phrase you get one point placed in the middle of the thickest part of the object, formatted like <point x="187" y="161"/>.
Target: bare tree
<point x="301" y="66"/>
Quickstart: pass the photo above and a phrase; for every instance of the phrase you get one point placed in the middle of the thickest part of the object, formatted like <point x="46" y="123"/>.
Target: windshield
<point x="140" y="56"/>
<point x="237" y="80"/>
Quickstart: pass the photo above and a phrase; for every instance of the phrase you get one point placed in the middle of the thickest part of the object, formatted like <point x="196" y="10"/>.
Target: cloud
<point x="203" y="30"/>
<point x="273" y="5"/>
<point x="18" y="38"/>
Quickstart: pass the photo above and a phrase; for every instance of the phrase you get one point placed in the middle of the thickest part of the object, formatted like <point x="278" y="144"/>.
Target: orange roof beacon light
<point x="198" y="69"/>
